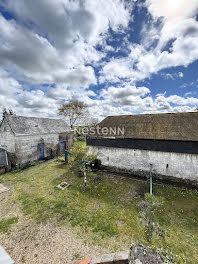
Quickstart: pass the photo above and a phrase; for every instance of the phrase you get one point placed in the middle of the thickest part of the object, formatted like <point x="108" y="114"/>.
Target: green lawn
<point x="106" y="211"/>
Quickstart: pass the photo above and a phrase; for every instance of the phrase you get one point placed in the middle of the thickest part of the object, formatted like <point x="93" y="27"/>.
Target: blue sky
<point x="119" y="57"/>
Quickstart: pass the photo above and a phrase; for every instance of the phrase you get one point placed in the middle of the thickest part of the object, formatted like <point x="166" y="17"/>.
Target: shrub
<point x="80" y="156"/>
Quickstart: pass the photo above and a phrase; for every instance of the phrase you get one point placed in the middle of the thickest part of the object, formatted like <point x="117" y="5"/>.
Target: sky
<point x="119" y="57"/>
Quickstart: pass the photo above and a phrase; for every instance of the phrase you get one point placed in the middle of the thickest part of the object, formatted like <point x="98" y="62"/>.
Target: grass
<point x="76" y="256"/>
<point x="5" y="225"/>
<point x="106" y="210"/>
<point x="80" y="143"/>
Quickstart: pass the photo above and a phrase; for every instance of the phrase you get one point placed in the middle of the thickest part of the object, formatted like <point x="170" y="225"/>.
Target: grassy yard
<point x="107" y="211"/>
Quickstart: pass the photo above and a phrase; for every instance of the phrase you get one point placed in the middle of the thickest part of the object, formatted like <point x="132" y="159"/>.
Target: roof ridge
<point x="36" y="117"/>
<point x="154" y="114"/>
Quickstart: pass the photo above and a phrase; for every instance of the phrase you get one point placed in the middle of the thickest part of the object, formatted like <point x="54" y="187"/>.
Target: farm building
<point x="27" y="139"/>
<point x="165" y="143"/>
<point x="3" y="160"/>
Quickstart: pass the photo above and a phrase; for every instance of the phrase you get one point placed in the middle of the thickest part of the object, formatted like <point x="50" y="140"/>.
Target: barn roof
<point x="21" y="125"/>
<point x="170" y="126"/>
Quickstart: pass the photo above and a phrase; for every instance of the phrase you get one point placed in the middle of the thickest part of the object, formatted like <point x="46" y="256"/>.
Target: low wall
<point x="164" y="164"/>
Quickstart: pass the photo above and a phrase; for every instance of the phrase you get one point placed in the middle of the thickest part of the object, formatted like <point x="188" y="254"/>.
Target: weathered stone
<point x="108" y="258"/>
<point x="143" y="255"/>
<point x="121" y="257"/>
<point x="95" y="260"/>
<point x="63" y="185"/>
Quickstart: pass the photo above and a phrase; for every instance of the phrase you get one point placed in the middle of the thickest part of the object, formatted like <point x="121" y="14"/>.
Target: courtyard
<point x="41" y="223"/>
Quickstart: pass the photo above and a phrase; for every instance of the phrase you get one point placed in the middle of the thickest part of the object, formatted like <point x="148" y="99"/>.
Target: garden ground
<point x="39" y="223"/>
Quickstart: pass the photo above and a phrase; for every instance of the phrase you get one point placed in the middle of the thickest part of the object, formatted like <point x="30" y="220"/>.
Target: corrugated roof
<point x="171" y="126"/>
<point x="34" y="125"/>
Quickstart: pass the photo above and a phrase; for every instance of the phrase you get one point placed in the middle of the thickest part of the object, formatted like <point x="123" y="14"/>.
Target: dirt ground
<point x="32" y="243"/>
<point x="40" y="223"/>
<point x="46" y="244"/>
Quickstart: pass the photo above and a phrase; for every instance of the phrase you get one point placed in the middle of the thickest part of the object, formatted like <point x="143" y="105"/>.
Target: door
<point x="3" y="159"/>
<point x="63" y="144"/>
<point x="40" y="149"/>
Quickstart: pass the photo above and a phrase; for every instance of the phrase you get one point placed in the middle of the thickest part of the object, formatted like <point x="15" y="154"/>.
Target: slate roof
<point x="171" y="126"/>
<point x="33" y="125"/>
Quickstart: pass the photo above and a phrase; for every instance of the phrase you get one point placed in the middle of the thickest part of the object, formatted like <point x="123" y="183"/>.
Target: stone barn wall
<point x="68" y="138"/>
<point x="165" y="165"/>
<point x="7" y="139"/>
<point x="26" y="147"/>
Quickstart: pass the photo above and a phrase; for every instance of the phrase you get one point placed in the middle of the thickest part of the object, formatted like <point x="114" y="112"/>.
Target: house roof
<point x="21" y="125"/>
<point x="171" y="126"/>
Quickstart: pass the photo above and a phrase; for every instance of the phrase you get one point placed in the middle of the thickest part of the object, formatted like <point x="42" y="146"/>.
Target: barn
<point x="3" y="160"/>
<point x="28" y="139"/>
<point x="165" y="143"/>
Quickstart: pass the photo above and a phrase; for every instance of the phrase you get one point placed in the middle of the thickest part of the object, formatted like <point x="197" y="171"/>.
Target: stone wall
<point x="7" y="140"/>
<point x="164" y="164"/>
<point x="26" y="147"/>
<point x="68" y="137"/>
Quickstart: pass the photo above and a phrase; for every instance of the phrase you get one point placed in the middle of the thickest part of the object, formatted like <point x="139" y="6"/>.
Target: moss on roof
<point x="33" y="125"/>
<point x="171" y="126"/>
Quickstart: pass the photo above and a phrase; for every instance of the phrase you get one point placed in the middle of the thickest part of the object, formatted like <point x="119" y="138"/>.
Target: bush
<point x="80" y="156"/>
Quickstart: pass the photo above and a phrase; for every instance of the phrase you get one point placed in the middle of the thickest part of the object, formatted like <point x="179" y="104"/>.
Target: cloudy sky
<point x="119" y="57"/>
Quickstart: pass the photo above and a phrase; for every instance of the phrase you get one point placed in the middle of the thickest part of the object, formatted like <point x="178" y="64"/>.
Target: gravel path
<point x="33" y="243"/>
<point x="46" y="244"/>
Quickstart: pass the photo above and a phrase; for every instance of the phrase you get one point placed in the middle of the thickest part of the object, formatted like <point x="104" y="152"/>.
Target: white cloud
<point x="182" y="101"/>
<point x="8" y="85"/>
<point x="172" y="76"/>
<point x="180" y="74"/>
<point x="178" y="25"/>
<point x="115" y="70"/>
<point x="127" y="95"/>
<point x="54" y="42"/>
<point x="172" y="10"/>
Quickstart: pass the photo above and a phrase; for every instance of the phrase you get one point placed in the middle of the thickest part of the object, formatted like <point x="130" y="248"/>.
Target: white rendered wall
<point x="177" y="165"/>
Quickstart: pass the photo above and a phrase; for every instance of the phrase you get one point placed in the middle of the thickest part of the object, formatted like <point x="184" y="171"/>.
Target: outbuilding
<point x="165" y="143"/>
<point x="3" y="160"/>
<point x="28" y="139"/>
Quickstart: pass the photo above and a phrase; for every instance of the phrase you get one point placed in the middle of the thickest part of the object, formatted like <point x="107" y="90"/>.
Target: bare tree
<point x="75" y="111"/>
<point x="4" y="112"/>
<point x="196" y="109"/>
<point x="7" y="112"/>
<point x="91" y="121"/>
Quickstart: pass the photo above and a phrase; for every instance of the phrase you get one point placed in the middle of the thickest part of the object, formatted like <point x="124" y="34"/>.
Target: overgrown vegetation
<point x="148" y="209"/>
<point x="80" y="156"/>
<point x="107" y="210"/>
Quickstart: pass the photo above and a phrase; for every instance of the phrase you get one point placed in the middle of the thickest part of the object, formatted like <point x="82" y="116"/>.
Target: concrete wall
<point x="172" y="165"/>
